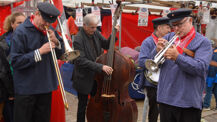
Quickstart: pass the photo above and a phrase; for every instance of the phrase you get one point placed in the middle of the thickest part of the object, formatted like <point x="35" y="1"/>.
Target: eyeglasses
<point x="179" y="24"/>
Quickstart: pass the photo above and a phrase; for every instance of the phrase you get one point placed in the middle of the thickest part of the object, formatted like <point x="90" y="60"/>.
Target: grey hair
<point x="90" y="18"/>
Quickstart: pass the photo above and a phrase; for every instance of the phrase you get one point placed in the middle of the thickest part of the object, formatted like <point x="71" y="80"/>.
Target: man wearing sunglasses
<point x="182" y="77"/>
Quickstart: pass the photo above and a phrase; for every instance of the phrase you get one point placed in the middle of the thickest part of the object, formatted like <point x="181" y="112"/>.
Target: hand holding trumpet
<point x="172" y="53"/>
<point x="161" y="44"/>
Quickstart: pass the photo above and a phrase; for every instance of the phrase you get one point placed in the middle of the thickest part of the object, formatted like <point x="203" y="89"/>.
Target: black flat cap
<point x="161" y="21"/>
<point x="48" y="11"/>
<point x="179" y="14"/>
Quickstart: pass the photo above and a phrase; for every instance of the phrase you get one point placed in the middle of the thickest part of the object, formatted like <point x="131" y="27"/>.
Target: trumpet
<point x="153" y="65"/>
<point x="59" y="78"/>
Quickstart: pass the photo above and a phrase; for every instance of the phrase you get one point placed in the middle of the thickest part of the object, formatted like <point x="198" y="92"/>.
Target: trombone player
<point x="34" y="73"/>
<point x="182" y="77"/>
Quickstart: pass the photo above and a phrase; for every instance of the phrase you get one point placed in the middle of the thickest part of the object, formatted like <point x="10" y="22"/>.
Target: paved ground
<point x="207" y="116"/>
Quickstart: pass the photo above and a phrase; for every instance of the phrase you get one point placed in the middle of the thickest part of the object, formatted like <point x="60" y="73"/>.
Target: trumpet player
<point x="161" y="28"/>
<point x="182" y="77"/>
<point x="34" y="73"/>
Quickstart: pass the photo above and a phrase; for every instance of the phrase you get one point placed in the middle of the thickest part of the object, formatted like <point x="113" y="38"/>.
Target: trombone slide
<point x="59" y="78"/>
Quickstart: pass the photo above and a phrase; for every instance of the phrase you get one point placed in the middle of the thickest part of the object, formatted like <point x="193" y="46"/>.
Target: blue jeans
<point x="209" y="91"/>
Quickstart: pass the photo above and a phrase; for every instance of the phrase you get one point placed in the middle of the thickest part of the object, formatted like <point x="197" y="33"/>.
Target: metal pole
<point x="120" y="31"/>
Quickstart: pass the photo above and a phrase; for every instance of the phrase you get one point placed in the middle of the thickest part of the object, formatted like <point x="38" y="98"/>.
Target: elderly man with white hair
<point x="89" y="42"/>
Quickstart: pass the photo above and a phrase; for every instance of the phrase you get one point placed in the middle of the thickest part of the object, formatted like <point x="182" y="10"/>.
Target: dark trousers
<point x="82" y="103"/>
<point x="8" y="111"/>
<point x="153" y="106"/>
<point x="176" y="114"/>
<point x="32" y="108"/>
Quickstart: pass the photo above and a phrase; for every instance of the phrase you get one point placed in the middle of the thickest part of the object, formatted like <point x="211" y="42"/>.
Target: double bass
<point x="112" y="102"/>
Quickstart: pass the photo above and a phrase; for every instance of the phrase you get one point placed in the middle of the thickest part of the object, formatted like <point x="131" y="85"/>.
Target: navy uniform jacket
<point x="31" y="77"/>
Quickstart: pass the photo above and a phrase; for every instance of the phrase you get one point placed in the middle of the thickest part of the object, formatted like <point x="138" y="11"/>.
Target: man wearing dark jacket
<point x="89" y="42"/>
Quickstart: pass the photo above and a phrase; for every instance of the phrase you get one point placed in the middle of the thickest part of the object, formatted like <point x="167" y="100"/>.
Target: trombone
<point x="59" y="78"/>
<point x="70" y="54"/>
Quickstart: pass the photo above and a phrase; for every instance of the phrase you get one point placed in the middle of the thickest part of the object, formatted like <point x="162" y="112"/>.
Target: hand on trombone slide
<point x="53" y="37"/>
<point x="45" y="48"/>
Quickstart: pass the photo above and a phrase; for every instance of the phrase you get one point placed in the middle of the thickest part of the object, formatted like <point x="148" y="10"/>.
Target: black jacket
<point x="6" y="80"/>
<point x="85" y="66"/>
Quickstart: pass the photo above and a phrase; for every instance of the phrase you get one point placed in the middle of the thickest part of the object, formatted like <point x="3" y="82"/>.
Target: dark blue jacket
<point x="146" y="51"/>
<point x="212" y="72"/>
<point x="31" y="77"/>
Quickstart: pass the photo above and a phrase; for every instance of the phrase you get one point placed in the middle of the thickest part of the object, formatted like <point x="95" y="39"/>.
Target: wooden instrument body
<point x="120" y="108"/>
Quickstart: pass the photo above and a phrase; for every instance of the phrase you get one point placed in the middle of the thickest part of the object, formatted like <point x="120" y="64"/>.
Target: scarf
<point x="185" y="40"/>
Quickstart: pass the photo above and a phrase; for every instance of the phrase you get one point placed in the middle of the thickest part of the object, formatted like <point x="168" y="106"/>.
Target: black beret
<point x="161" y="20"/>
<point x="179" y="14"/>
<point x="48" y="11"/>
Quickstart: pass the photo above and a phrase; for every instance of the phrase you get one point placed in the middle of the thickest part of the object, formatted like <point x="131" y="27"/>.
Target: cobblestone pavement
<point x="207" y="116"/>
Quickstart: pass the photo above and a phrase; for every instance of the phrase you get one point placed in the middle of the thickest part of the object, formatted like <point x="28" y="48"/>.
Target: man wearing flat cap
<point x="182" y="77"/>
<point x="34" y="73"/>
<point x="161" y="28"/>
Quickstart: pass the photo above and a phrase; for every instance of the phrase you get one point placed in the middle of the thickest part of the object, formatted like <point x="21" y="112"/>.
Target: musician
<point x="89" y="42"/>
<point x="161" y="28"/>
<point x="34" y="73"/>
<point x="182" y="77"/>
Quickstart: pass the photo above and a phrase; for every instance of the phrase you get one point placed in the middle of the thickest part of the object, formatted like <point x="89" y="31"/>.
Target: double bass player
<point x="89" y="42"/>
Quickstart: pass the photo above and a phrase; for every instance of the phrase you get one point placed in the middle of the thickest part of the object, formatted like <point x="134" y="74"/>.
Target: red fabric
<point x="132" y="35"/>
<point x="172" y="9"/>
<point x="155" y="38"/>
<point x="203" y="29"/>
<point x="5" y="11"/>
<point x="60" y="63"/>
<point x="185" y="41"/>
<point x="57" y="107"/>
<point x="73" y="29"/>
<point x="58" y="4"/>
